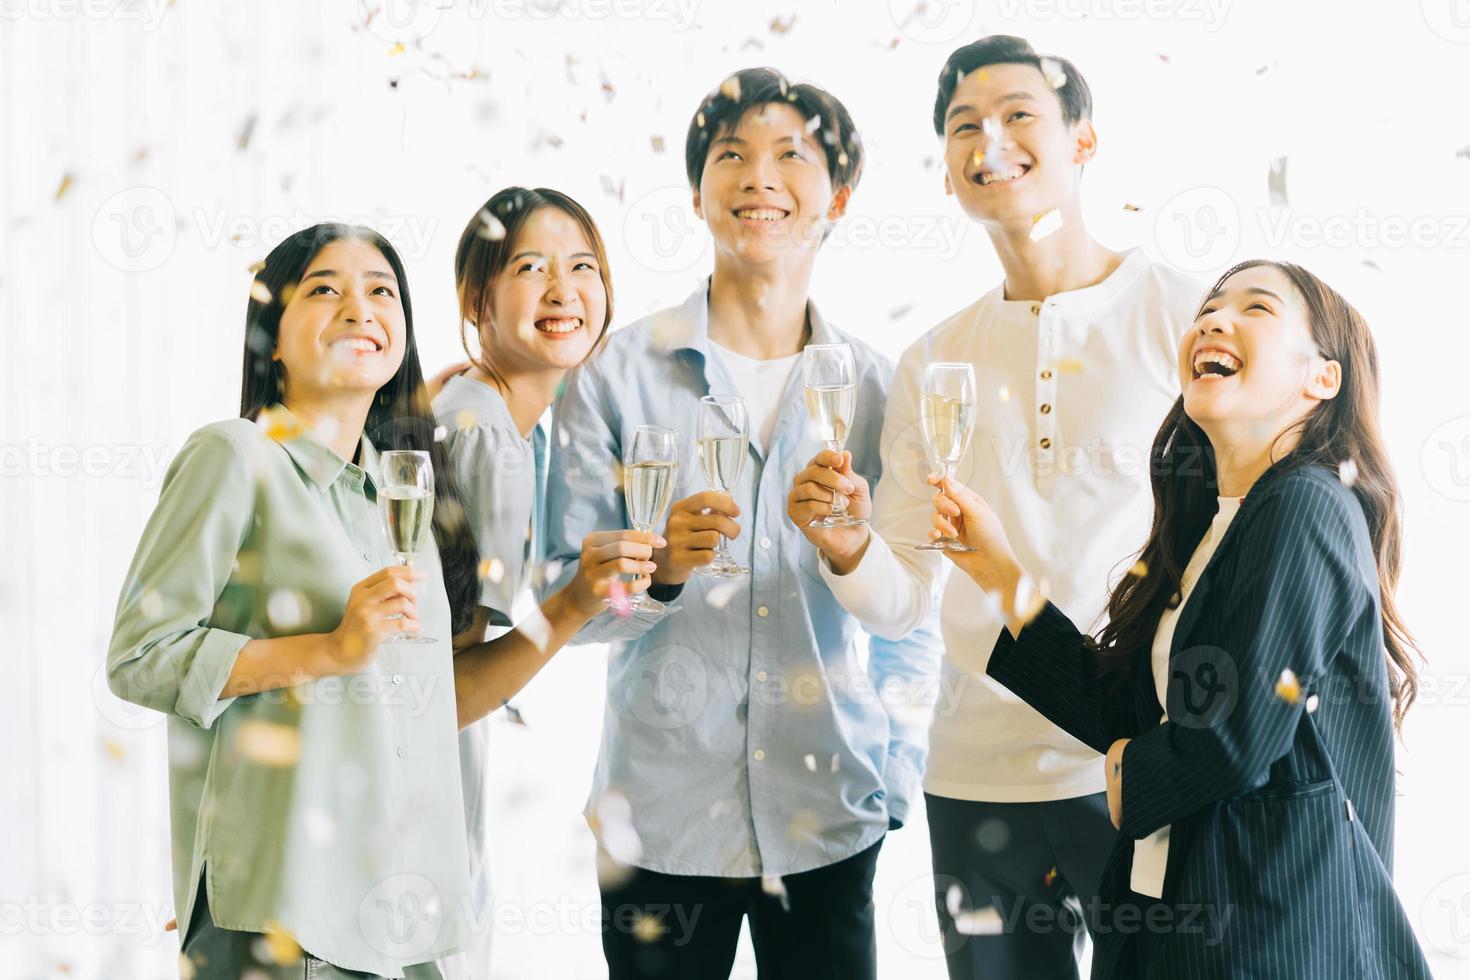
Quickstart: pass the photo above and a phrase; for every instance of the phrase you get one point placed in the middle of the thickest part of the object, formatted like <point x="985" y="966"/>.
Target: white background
<point x="131" y="206"/>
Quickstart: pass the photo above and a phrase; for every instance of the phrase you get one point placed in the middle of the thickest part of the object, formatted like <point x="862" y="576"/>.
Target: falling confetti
<point x="535" y="627"/>
<point x="440" y="433"/>
<point x="278" y="946"/>
<point x="256" y="267"/>
<point x="247" y="130"/>
<point x="268" y="743"/>
<point x="1045" y="224"/>
<point x="730" y="88"/>
<point x="287" y="609"/>
<point x="805" y="826"/>
<point x="719" y="596"/>
<point x="813" y="124"/>
<point x="1049" y="878"/>
<point x="657" y="142"/>
<point x="612" y="822"/>
<point x="1139" y="569"/>
<point x="719" y="808"/>
<point x="1276" y="182"/>
<point x="994" y="158"/>
<point x="490" y="228"/>
<point x="836" y="763"/>
<point x="617" y="594"/>
<point x="647" y="928"/>
<point x="279" y="424"/>
<point x="1132" y="207"/>
<point x="187" y="969"/>
<point x="1312" y="703"/>
<point x="396" y="50"/>
<point x="779" y="26"/>
<point x="492" y="569"/>
<point x="1051" y="70"/>
<point x="513" y="714"/>
<point x="1288" y="688"/>
<point x="151" y="605"/>
<point x="810" y="761"/>
<point x="320" y="827"/>
<point x="114" y="749"/>
<point x="900" y="311"/>
<point x="773" y="886"/>
<point x="1070" y="365"/>
<point x="1030" y="600"/>
<point x="1347" y="472"/>
<point x="1004" y="393"/>
<point x="67" y="180"/>
<point x="970" y="922"/>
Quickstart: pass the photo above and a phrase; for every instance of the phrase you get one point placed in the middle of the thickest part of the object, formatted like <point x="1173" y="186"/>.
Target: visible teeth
<point x="355" y="343"/>
<point x="761" y="214"/>
<point x="989" y="177"/>
<point x="1229" y="362"/>
<point x="559" y="326"/>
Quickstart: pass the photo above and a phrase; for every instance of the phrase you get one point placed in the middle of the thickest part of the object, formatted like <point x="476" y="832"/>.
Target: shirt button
<point x="761" y="675"/>
<point x="765" y="542"/>
<point x="402" y="752"/>
<point x="762" y="612"/>
<point x="760" y="755"/>
<point x="1046" y="375"/>
<point x="1045" y="443"/>
<point x="1035" y="309"/>
<point x="1045" y="409"/>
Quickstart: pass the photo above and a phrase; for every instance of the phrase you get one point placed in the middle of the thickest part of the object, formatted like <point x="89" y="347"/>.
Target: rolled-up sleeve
<point x="164" y="654"/>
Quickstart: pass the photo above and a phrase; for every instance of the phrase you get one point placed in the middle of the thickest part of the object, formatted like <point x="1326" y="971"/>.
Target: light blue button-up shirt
<point x="743" y="725"/>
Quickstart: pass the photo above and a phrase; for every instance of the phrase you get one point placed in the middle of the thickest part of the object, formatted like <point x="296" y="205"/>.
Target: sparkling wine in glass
<point x="947" y="415"/>
<point x="650" y="470"/>
<point x="724" y="441"/>
<point x="406" y="503"/>
<point x="830" y="376"/>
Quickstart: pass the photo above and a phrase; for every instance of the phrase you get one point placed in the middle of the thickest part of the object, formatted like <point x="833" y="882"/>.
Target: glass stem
<point x="839" y="502"/>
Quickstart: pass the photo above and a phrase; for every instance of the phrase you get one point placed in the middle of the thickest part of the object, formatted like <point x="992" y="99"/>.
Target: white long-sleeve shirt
<point x="1070" y="393"/>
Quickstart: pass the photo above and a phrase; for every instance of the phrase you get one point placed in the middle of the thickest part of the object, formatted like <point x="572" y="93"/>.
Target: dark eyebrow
<point x="370" y="274"/>
<point x="1255" y="290"/>
<point x="1009" y="97"/>
<point x="527" y="253"/>
<point x="732" y="138"/>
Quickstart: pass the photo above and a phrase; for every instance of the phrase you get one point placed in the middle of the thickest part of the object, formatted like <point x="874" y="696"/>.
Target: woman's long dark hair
<point x="1341" y="430"/>
<point x="400" y="417"/>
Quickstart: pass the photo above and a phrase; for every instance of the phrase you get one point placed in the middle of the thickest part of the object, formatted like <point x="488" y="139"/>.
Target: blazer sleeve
<point x="1052" y="668"/>
<point x="1293" y="590"/>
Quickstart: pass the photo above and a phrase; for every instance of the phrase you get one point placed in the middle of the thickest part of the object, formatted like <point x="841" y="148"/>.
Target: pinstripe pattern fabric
<point x="1272" y="872"/>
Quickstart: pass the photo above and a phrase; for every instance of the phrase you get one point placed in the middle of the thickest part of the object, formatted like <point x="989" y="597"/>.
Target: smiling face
<point x="343" y="330"/>
<point x="765" y="192"/>
<point x="1009" y="154"/>
<point x="1249" y="366"/>
<point x="548" y="304"/>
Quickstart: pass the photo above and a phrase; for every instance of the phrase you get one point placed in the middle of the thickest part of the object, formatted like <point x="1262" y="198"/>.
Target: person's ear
<point x="948" y="187"/>
<point x="1086" y="147"/>
<point x="838" y="207"/>
<point x="698" y="206"/>
<point x="1325" y="382"/>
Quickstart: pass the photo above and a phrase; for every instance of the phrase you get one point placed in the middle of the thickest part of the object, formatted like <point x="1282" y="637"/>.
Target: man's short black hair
<point x="755" y="88"/>
<point x="1006" y="49"/>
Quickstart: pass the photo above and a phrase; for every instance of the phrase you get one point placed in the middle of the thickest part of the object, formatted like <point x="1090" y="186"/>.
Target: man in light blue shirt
<point x="751" y="761"/>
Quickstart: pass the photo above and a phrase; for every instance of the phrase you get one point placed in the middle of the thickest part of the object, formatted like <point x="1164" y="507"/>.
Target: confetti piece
<point x="612" y="822"/>
<point x="464" y="420"/>
<point x="813" y="124"/>
<point x="1070" y="365"/>
<point x="719" y="596"/>
<point x="1030" y="600"/>
<point x="1050" y="877"/>
<point x="699" y="119"/>
<point x="247" y="130"/>
<point x="1463" y="153"/>
<point x="1051" y="69"/>
<point x="536" y="628"/>
<point x="492" y="569"/>
<point x="67" y="180"/>
<point x="114" y="749"/>
<point x="1139" y="569"/>
<point x="1132" y="207"/>
<point x="773" y="886"/>
<point x="842" y="159"/>
<point x="490" y="228"/>
<point x="810" y="761"/>
<point x="804" y="825"/>
<point x="730" y="88"/>
<point x="151" y="605"/>
<point x="836" y="763"/>
<point x="1347" y="472"/>
<point x="969" y="922"/>
<point x="1288" y="688"/>
<point x="1004" y="393"/>
<point x="900" y="311"/>
<point x="617" y="593"/>
<point x="513" y="714"/>
<point x="1276" y="182"/>
<point x="647" y="928"/>
<point x="320" y="827"/>
<point x="1045" y="224"/>
<point x="396" y="50"/>
<point x="1312" y="703"/>
<point x="440" y="433"/>
<point x="256" y="267"/>
<point x="719" y="808"/>
<point x="287" y="609"/>
<point x="994" y="158"/>
<point x="779" y="26"/>
<point x="657" y="143"/>
<point x="279" y="424"/>
<point x="278" y="945"/>
<point x="187" y="969"/>
<point x="268" y="743"/>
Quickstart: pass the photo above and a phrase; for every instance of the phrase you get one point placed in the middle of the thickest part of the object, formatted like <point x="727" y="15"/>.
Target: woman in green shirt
<point x="314" y="775"/>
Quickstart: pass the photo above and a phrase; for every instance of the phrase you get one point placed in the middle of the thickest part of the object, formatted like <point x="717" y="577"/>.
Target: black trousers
<point x="686" y="927"/>
<point x="1038" y="864"/>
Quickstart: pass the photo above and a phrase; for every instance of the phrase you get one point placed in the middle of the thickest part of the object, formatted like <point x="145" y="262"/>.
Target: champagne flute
<point x="830" y="376"/>
<point x="947" y="414"/>
<point x="724" y="441"/>
<point x="406" y="503"/>
<point x="650" y="470"/>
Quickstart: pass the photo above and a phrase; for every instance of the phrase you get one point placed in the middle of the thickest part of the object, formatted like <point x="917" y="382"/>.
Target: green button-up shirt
<point x="330" y="810"/>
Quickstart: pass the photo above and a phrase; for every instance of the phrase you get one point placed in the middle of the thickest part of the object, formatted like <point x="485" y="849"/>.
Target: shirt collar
<point x="319" y="462"/>
<point x="1099" y="296"/>
<point x="686" y="327"/>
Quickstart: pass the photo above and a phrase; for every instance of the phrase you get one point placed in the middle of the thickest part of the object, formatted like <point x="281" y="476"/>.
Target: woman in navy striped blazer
<point x="1246" y="688"/>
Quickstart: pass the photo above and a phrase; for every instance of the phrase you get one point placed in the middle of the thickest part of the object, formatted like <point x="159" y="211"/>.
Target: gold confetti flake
<point x="114" y="749"/>
<point x="151" y="605"/>
<point x="67" y="181"/>
<point x="1288" y="688"/>
<point x="279" y="946"/>
<point x="279" y="424"/>
<point x="779" y="26"/>
<point x="1045" y="224"/>
<point x="260" y="293"/>
<point x="464" y="420"/>
<point x="493" y="569"/>
<point x="1049" y="877"/>
<point x="647" y="929"/>
<point x="699" y="119"/>
<point x="269" y="744"/>
<point x="256" y="267"/>
<point x="1051" y="69"/>
<point x="967" y="921"/>
<point x="1004" y="393"/>
<point x="1347" y="472"/>
<point x="187" y="969"/>
<point x="773" y="886"/>
<point x="1132" y="207"/>
<point x="1070" y="365"/>
<point x="1139" y="569"/>
<point x="730" y="88"/>
<point x="657" y="143"/>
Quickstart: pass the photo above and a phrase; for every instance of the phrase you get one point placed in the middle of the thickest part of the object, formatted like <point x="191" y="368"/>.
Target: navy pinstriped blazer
<point x="1279" y="862"/>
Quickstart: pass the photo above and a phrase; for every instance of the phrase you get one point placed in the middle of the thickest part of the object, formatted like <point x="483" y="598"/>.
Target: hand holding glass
<point x="830" y="376"/>
<point x="650" y="470"/>
<point x="724" y="442"/>
<point x="947" y="414"/>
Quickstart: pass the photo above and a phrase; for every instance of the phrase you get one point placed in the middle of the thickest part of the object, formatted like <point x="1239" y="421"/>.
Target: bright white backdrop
<point x="151" y="152"/>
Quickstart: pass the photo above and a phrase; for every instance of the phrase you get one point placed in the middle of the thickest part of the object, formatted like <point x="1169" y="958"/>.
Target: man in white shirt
<point x="1074" y="358"/>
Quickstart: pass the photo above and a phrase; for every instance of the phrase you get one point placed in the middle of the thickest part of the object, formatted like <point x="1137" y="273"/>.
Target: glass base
<point x="943" y="544"/>
<point x="638" y="602"/>
<point x="411" y="638"/>
<point x="729" y="568"/>
<point x="839" y="520"/>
